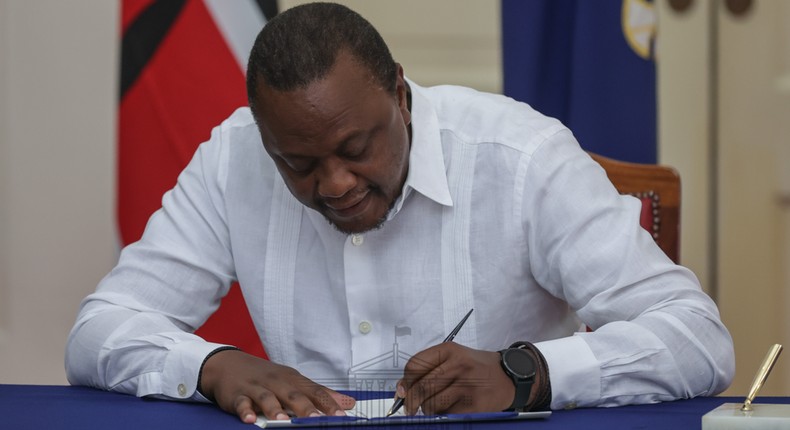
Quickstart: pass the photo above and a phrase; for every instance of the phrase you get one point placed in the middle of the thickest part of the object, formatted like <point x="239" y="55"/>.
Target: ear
<point x="401" y="92"/>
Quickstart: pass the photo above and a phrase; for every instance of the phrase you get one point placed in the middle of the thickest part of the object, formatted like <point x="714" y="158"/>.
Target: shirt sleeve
<point x="656" y="335"/>
<point x="134" y="334"/>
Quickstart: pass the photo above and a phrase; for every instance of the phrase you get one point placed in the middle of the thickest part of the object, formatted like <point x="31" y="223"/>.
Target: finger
<point x="331" y="402"/>
<point x="425" y="376"/>
<point x="324" y="401"/>
<point x="287" y="391"/>
<point x="266" y="402"/>
<point x="298" y="401"/>
<point x="418" y="366"/>
<point x="345" y="402"/>
<point x="428" y="394"/>
<point x="427" y="388"/>
<point x="244" y="410"/>
<point x="421" y="364"/>
<point x="450" y="399"/>
<point x="400" y="390"/>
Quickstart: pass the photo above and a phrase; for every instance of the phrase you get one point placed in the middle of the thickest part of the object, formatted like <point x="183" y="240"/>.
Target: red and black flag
<point x="182" y="73"/>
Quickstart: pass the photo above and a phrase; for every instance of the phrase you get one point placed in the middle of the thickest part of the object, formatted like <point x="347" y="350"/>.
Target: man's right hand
<point x="245" y="385"/>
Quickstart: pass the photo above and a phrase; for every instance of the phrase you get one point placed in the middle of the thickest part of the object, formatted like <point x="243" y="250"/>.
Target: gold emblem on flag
<point x="639" y="26"/>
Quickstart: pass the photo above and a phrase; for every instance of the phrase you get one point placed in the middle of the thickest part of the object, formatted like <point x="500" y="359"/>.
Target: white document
<point x="374" y="412"/>
<point x="374" y="408"/>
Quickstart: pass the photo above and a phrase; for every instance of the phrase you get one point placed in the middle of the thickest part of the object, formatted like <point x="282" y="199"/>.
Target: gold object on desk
<point x="762" y="375"/>
<point x="758" y="416"/>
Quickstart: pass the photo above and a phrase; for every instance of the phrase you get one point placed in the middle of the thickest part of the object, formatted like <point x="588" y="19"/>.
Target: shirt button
<point x="357" y="239"/>
<point x="571" y="405"/>
<point x="365" y="327"/>
<point x="182" y="390"/>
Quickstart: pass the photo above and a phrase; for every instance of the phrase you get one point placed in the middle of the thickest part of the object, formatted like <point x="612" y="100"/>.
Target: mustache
<point x="321" y="202"/>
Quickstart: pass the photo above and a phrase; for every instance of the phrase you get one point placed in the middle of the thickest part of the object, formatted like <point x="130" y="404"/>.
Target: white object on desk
<point x="374" y="408"/>
<point x="373" y="412"/>
<point x="763" y="416"/>
<point x="748" y="415"/>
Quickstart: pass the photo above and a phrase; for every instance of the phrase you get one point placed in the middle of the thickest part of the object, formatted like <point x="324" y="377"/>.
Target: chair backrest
<point x="658" y="187"/>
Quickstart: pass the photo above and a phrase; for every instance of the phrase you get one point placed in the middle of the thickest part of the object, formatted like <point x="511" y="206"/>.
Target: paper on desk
<point x="375" y="411"/>
<point x="374" y="408"/>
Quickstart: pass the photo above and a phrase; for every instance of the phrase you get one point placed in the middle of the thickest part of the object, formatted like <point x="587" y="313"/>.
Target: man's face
<point x="341" y="144"/>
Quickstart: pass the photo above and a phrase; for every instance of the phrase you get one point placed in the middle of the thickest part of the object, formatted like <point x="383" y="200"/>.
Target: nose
<point x="335" y="179"/>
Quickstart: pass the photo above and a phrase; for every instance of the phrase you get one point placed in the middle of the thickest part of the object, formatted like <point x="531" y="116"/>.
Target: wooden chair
<point x="658" y="187"/>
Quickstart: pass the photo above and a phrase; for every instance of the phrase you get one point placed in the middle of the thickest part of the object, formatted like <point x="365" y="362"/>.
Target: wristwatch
<point x="520" y="366"/>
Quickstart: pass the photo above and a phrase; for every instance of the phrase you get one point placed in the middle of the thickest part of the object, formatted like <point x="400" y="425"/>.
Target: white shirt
<point x="501" y="212"/>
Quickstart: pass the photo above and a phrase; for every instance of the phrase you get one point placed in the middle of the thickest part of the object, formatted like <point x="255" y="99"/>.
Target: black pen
<point x="399" y="400"/>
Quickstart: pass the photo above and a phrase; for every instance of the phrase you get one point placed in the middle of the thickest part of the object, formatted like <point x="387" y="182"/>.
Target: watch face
<point x="520" y="363"/>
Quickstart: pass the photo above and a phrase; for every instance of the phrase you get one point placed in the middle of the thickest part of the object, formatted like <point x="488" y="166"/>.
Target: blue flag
<point x="588" y="64"/>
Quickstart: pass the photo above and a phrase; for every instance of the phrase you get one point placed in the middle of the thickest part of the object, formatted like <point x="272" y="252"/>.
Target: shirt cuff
<point x="182" y="368"/>
<point x="574" y="372"/>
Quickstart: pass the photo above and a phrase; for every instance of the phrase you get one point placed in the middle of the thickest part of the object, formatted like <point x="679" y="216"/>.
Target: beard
<point x="376" y="226"/>
<point x="324" y="210"/>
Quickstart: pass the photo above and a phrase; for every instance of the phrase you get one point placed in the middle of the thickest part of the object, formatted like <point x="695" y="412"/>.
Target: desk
<point x="63" y="407"/>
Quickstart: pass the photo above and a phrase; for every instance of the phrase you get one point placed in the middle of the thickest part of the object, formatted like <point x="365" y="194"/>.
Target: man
<point x="438" y="200"/>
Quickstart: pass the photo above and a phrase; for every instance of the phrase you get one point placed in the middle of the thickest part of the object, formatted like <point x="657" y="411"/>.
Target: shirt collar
<point x="427" y="173"/>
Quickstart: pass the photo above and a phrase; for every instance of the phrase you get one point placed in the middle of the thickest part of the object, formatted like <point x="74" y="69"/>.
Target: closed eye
<point x="356" y="155"/>
<point x="357" y="151"/>
<point x="300" y="165"/>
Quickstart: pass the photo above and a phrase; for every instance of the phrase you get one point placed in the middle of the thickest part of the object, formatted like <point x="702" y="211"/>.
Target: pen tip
<point x="395" y="406"/>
